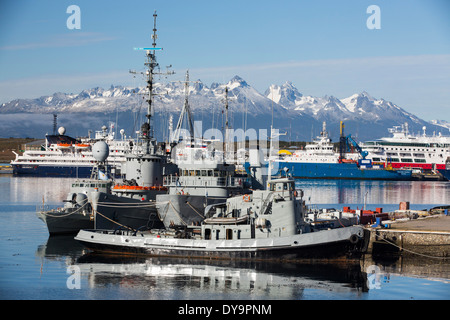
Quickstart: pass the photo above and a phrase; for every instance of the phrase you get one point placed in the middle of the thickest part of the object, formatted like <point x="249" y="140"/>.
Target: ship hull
<point x="340" y="171"/>
<point x="336" y="244"/>
<point x="445" y="173"/>
<point x="64" y="223"/>
<point x="52" y="171"/>
<point x="119" y="211"/>
<point x="179" y="210"/>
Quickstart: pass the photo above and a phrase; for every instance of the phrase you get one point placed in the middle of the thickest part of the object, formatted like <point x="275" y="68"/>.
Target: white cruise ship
<point x="63" y="156"/>
<point x="422" y="152"/>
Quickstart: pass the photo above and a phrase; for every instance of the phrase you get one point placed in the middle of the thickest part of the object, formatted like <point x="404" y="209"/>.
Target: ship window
<point x="207" y="234"/>
<point x="210" y="173"/>
<point x="229" y="234"/>
<point x="419" y="160"/>
<point x="407" y="160"/>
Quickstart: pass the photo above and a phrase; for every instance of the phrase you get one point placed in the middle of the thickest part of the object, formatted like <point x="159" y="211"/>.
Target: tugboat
<point x="265" y="225"/>
<point x="77" y="211"/>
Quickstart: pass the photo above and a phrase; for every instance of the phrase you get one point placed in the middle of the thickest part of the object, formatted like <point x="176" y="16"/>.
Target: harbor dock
<point x="427" y="237"/>
<point x="6" y="169"/>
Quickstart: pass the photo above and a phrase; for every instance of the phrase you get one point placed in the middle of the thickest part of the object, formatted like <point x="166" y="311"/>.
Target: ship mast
<point x="225" y="145"/>
<point x="151" y="65"/>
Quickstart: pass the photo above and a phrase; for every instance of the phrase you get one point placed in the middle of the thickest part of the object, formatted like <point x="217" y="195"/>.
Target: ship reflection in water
<point x="53" y="190"/>
<point x="184" y="279"/>
<point x="171" y="278"/>
<point x="379" y="192"/>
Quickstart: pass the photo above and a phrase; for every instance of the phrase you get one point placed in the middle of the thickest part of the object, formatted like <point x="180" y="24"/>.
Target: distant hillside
<point x="8" y="145"/>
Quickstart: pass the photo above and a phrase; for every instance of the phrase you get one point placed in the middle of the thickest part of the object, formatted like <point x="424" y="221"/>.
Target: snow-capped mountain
<point x="285" y="95"/>
<point x="441" y="123"/>
<point x="299" y="115"/>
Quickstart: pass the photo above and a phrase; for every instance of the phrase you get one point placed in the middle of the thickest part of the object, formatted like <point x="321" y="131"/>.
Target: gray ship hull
<point x="64" y="223"/>
<point x="114" y="212"/>
<point x="183" y="210"/>
<point x="336" y="244"/>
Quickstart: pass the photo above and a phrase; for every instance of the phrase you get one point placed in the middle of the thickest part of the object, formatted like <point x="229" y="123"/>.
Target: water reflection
<point x="383" y="192"/>
<point x="203" y="279"/>
<point x="175" y="279"/>
<point x="25" y="189"/>
<point x="32" y="189"/>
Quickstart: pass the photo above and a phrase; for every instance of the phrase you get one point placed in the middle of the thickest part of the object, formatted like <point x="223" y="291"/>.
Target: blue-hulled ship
<point x="64" y="156"/>
<point x="319" y="160"/>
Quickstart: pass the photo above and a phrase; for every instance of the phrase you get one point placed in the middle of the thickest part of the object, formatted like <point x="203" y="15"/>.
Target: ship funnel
<point x="257" y="169"/>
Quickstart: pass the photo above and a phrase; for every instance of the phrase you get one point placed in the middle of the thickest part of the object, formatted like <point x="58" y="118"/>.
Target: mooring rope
<point x="63" y="215"/>
<point x="178" y="214"/>
<point x="119" y="224"/>
<point x="195" y="210"/>
<point x="410" y="251"/>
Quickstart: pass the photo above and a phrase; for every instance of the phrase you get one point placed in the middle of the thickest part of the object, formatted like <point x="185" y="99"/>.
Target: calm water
<point x="36" y="266"/>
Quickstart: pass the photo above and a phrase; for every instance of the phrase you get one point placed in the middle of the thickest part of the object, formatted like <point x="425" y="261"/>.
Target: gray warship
<point x="76" y="213"/>
<point x="202" y="179"/>
<point x="264" y="225"/>
<point x="131" y="204"/>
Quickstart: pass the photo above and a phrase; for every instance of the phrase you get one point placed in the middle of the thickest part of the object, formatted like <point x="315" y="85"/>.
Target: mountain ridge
<point x="283" y="105"/>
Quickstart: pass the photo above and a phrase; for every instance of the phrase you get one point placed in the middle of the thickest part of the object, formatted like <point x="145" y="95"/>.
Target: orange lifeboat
<point x="64" y="145"/>
<point x="82" y="146"/>
<point x="139" y="188"/>
<point x="348" y="161"/>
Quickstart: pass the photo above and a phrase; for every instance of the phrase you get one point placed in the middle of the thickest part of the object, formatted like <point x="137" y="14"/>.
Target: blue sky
<point x="322" y="47"/>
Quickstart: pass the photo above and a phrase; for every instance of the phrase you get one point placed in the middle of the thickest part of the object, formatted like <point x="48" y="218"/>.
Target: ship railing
<point x="174" y="181"/>
<point x="48" y="207"/>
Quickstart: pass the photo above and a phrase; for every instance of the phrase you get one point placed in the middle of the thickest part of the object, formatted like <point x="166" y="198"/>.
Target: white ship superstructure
<point x="62" y="155"/>
<point x="404" y="150"/>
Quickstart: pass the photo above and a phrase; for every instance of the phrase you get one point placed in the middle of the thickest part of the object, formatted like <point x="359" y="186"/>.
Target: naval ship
<point x="264" y="225"/>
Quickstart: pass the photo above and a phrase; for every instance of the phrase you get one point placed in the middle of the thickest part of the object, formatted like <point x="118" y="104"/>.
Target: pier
<point x="427" y="237"/>
<point x="6" y="169"/>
